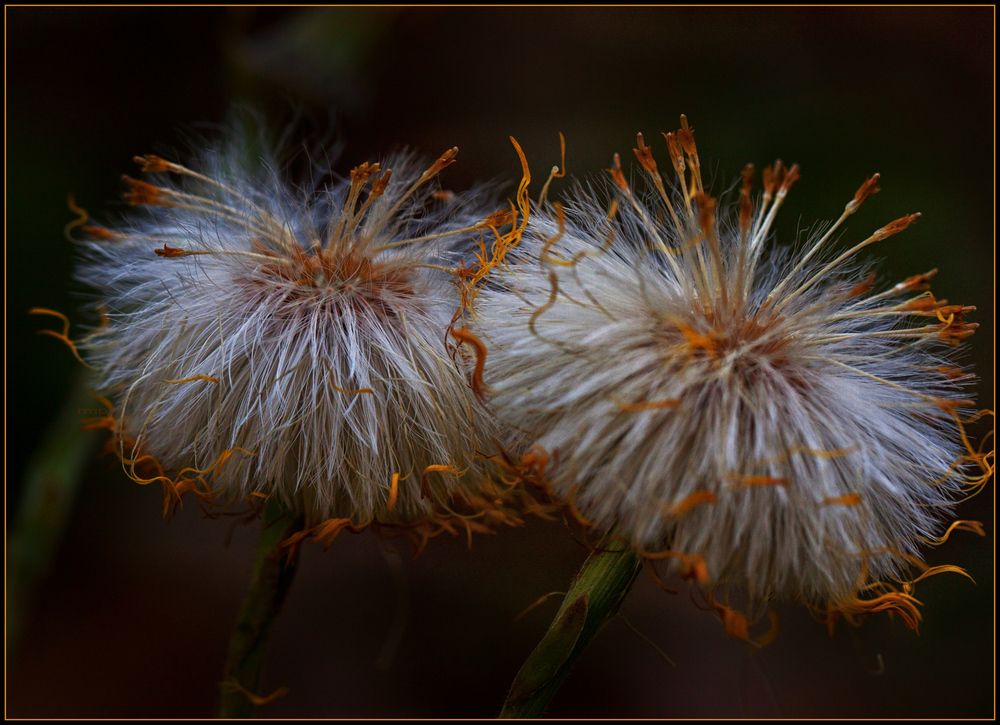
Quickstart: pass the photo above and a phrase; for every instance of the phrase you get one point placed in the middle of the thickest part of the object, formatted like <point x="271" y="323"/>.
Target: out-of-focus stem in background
<point x="52" y="481"/>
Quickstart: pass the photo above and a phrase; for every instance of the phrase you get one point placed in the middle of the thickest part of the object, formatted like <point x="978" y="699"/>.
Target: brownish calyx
<point x="715" y="339"/>
<point x="338" y="269"/>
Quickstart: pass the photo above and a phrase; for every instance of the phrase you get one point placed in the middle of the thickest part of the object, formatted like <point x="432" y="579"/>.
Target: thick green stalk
<point x="594" y="597"/>
<point x="272" y="576"/>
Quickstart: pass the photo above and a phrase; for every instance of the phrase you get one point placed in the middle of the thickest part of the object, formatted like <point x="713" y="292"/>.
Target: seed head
<point x="759" y="416"/>
<point x="262" y="337"/>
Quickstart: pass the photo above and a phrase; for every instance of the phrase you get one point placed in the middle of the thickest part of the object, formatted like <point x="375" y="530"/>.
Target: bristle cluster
<point x="263" y="338"/>
<point x="761" y="417"/>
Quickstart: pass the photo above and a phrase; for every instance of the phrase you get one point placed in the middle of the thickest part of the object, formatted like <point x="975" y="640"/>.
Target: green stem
<point x="593" y="598"/>
<point x="51" y="484"/>
<point x="272" y="576"/>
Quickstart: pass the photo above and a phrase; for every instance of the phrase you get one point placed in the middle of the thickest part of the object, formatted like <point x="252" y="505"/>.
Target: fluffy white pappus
<point x="759" y="412"/>
<point x="263" y="337"/>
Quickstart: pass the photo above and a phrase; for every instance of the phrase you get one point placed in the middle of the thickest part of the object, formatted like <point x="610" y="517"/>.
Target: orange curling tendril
<point x="547" y="305"/>
<point x="574" y="511"/>
<point x="693" y="566"/>
<point x="63" y="336"/>
<point x="733" y="621"/>
<point x="352" y="391"/>
<point x="900" y="603"/>
<point x="470" y="277"/>
<point x="81" y="217"/>
<point x="393" y="492"/>
<point x="934" y="571"/>
<point x="220" y="461"/>
<point x="974" y="527"/>
<point x="467" y="337"/>
<point x="436" y="468"/>
<point x="689" y="502"/>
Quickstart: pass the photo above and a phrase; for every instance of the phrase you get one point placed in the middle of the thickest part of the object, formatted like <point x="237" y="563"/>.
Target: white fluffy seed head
<point x="264" y="337"/>
<point x="757" y="410"/>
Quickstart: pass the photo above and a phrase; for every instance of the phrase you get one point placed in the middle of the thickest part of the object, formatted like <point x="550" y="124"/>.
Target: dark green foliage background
<point x="134" y="617"/>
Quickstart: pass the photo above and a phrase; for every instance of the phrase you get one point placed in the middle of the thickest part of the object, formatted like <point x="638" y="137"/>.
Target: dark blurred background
<point x="134" y="616"/>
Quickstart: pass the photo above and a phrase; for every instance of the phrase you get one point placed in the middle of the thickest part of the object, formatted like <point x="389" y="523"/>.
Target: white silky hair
<point x="239" y="350"/>
<point x="801" y="443"/>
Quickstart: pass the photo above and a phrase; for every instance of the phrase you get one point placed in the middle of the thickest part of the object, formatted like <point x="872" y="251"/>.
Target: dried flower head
<point x="261" y="337"/>
<point x="764" y="418"/>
